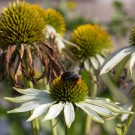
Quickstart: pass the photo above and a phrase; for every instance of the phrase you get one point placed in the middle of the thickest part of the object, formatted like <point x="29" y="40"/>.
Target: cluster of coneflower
<point x="29" y="33"/>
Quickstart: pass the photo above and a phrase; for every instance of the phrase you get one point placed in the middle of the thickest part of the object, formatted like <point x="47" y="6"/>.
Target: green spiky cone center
<point x="132" y="37"/>
<point x="20" y="24"/>
<point x="91" y="40"/>
<point x="69" y="91"/>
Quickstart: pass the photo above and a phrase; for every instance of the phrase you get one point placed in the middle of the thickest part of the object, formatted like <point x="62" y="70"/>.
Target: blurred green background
<point x="117" y="17"/>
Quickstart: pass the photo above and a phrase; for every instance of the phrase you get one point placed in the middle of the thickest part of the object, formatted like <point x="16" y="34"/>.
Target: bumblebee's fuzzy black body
<point x="70" y="76"/>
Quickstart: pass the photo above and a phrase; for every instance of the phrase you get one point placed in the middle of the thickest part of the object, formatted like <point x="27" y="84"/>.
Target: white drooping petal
<point x="59" y="44"/>
<point x="87" y="64"/>
<point x="26" y="107"/>
<point x="90" y="112"/>
<point x="28" y="91"/>
<point x="40" y="96"/>
<point x="19" y="99"/>
<point x="54" y="111"/>
<point x="98" y="99"/>
<point x="100" y="110"/>
<point x="94" y="62"/>
<point x="69" y="114"/>
<point x="39" y="111"/>
<point x="108" y="105"/>
<point x="127" y="106"/>
<point x="130" y="65"/>
<point x="50" y="31"/>
<point x="100" y="59"/>
<point x="70" y="43"/>
<point x="115" y="58"/>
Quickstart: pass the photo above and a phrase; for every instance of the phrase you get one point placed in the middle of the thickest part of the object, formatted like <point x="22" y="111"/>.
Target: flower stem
<point x="54" y="130"/>
<point x="66" y="130"/>
<point x="130" y="118"/>
<point x="93" y="94"/>
<point x="35" y="127"/>
<point x="35" y="122"/>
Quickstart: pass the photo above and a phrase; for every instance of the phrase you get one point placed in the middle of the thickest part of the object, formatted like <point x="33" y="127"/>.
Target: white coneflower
<point x="125" y="57"/>
<point x="93" y="43"/>
<point x="66" y="93"/>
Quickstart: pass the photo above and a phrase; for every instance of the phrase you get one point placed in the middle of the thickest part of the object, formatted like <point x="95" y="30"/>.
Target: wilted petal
<point x="70" y="43"/>
<point x="130" y="65"/>
<point x="90" y="112"/>
<point x="50" y="31"/>
<point x="69" y="114"/>
<point x="115" y="58"/>
<point x="39" y="111"/>
<point x="54" y="111"/>
<point x="25" y="107"/>
<point x="59" y="44"/>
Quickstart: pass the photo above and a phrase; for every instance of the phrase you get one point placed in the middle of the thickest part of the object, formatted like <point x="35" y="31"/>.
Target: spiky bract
<point x="39" y="9"/>
<point x="56" y="20"/>
<point x="132" y="36"/>
<point x="20" y="23"/>
<point x="91" y="39"/>
<point x="69" y="91"/>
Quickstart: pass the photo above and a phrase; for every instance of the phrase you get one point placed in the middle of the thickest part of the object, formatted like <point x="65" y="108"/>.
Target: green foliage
<point x="120" y="21"/>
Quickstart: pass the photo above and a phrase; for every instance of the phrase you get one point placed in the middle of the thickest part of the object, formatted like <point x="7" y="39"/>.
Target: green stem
<point x="115" y="91"/>
<point x="35" y="122"/>
<point x="130" y="118"/>
<point x="66" y="130"/>
<point x="93" y="94"/>
<point x="54" y="130"/>
<point x="88" y="125"/>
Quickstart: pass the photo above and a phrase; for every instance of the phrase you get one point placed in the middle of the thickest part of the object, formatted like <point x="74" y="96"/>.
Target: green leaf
<point x="120" y="67"/>
<point x="121" y="129"/>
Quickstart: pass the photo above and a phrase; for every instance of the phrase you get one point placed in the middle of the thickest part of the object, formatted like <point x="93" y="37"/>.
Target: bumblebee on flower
<point x="66" y="92"/>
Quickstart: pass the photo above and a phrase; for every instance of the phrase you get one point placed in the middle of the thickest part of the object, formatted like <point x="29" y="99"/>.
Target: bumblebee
<point x="70" y="77"/>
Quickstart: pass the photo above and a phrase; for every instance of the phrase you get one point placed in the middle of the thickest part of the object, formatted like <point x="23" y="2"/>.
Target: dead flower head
<point x="22" y="37"/>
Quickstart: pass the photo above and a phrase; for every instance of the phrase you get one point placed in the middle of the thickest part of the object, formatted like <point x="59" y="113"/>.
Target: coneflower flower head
<point x="88" y="47"/>
<point x="66" y="93"/>
<point x="70" y="90"/>
<point x="22" y="37"/>
<point x="39" y="9"/>
<point x="19" y="24"/>
<point x="91" y="39"/>
<point x="55" y="20"/>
